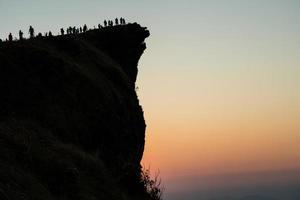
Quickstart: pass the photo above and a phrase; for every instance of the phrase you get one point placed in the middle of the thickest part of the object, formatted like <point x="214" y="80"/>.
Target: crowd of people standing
<point x="69" y="31"/>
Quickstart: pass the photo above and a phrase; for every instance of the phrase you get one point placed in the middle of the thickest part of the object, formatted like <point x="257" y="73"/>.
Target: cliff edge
<point x="71" y="126"/>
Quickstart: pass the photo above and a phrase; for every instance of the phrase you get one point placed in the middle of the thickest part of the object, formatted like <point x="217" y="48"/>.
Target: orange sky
<point x="214" y="146"/>
<point x="223" y="96"/>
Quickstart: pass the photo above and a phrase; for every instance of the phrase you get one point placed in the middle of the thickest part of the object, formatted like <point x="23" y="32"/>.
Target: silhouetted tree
<point x="10" y="37"/>
<point x="74" y="30"/>
<point x="31" y="32"/>
<point x="80" y="30"/>
<point x="46" y="34"/>
<point x="105" y="23"/>
<point x="84" y="28"/>
<point x="21" y="35"/>
<point x="0" y="40"/>
<point x="62" y="31"/>
<point x="39" y="35"/>
<point x="50" y="34"/>
<point x="117" y="21"/>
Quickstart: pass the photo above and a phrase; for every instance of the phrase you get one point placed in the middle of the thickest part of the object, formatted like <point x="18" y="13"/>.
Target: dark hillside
<point x="71" y="126"/>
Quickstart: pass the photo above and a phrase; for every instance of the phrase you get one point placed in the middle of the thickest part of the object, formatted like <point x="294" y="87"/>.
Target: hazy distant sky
<point x="219" y="82"/>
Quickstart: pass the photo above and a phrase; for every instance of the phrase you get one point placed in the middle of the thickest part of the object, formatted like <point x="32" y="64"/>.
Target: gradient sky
<point x="219" y="84"/>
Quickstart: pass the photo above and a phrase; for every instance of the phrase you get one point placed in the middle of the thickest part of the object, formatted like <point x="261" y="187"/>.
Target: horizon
<point x="218" y="83"/>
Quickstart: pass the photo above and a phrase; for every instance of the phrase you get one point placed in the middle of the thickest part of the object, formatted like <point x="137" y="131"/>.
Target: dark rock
<point x="67" y="102"/>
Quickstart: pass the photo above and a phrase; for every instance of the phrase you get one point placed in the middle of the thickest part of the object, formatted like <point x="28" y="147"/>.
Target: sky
<point x="219" y="84"/>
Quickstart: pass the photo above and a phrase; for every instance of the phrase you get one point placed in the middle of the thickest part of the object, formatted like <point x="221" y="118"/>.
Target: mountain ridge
<point x="67" y="101"/>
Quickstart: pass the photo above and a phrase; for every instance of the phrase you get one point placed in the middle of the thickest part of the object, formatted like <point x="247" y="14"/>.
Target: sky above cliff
<point x="219" y="84"/>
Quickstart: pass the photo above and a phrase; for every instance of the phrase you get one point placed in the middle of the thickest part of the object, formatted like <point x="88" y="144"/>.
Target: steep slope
<point x="71" y="126"/>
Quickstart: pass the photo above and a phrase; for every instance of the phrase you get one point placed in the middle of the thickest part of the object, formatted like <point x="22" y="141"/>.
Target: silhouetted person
<point x="70" y="30"/>
<point x="31" y="32"/>
<point x="62" y="31"/>
<point x="46" y="34"/>
<point x="116" y="21"/>
<point x="39" y="35"/>
<point x="84" y="28"/>
<point x="74" y="30"/>
<point x="0" y="41"/>
<point x="80" y="30"/>
<point x="10" y="37"/>
<point x="50" y="34"/>
<point x="105" y="23"/>
<point x="122" y="21"/>
<point x="21" y="35"/>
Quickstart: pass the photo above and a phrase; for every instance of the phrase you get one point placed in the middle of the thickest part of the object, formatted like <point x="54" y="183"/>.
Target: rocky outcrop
<point x="70" y="121"/>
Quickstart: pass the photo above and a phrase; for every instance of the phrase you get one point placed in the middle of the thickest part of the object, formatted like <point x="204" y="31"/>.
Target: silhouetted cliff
<point x="71" y="126"/>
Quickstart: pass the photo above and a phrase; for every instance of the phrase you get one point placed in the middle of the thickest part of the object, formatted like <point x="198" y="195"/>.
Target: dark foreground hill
<point x="71" y="126"/>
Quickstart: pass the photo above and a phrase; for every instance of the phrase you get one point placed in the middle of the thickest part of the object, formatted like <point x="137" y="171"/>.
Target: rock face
<point x="71" y="126"/>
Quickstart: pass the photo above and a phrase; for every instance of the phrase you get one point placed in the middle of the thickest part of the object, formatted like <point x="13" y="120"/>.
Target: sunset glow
<point x="219" y="84"/>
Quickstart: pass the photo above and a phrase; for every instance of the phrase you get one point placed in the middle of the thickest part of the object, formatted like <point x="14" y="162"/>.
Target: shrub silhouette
<point x="152" y="186"/>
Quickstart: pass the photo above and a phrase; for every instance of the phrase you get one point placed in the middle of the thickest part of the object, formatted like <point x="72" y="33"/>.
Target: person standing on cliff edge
<point x="122" y="21"/>
<point x="10" y="37"/>
<point x="21" y="35"/>
<point x="84" y="28"/>
<point x="31" y="32"/>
